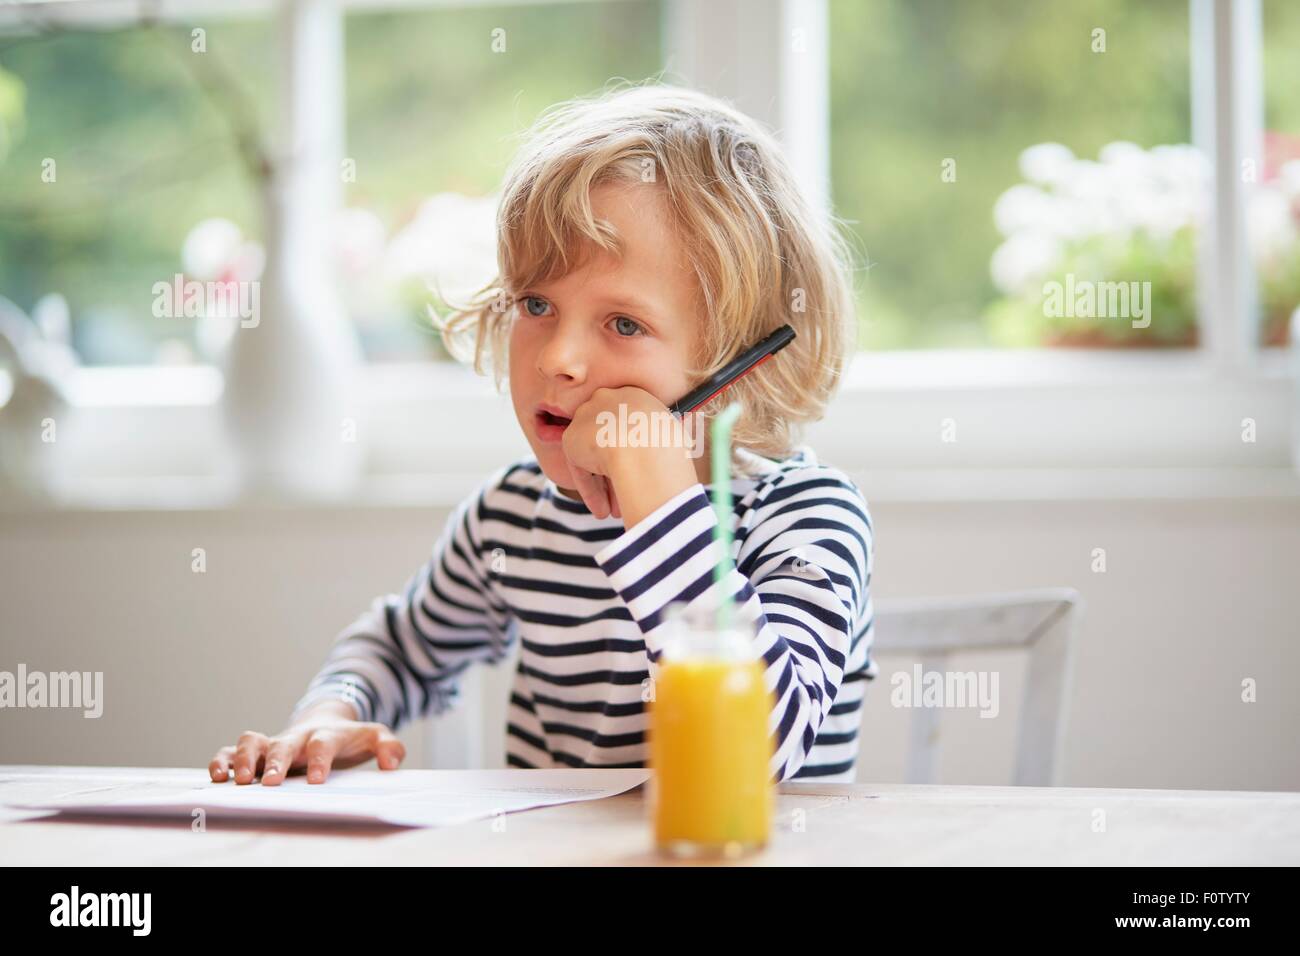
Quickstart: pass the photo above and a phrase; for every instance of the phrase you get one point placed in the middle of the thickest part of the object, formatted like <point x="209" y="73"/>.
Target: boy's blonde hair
<point x="761" y="254"/>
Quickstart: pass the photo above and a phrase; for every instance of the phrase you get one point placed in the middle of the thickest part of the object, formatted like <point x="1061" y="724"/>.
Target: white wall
<point x="1198" y="595"/>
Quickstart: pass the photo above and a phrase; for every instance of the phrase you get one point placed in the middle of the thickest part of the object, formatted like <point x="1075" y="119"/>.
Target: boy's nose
<point x="563" y="355"/>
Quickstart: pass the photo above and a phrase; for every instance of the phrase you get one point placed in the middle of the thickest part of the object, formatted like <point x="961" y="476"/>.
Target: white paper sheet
<point x="413" y="798"/>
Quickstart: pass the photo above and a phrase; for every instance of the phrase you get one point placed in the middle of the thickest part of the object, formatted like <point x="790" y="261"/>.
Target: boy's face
<point x="615" y="322"/>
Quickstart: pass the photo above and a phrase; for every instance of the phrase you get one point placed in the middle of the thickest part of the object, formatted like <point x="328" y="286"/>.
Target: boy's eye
<point x="626" y="327"/>
<point x="535" y="306"/>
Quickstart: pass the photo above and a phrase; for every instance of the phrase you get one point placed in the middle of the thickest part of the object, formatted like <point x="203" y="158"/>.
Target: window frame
<point x="1077" y="431"/>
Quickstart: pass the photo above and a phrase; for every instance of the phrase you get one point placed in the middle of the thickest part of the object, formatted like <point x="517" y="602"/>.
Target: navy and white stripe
<point x="585" y="598"/>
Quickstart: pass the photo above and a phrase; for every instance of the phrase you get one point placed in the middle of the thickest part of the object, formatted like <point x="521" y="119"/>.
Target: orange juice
<point x="710" y="752"/>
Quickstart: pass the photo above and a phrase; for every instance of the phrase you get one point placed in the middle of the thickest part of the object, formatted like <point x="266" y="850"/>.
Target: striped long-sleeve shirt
<point x="585" y="599"/>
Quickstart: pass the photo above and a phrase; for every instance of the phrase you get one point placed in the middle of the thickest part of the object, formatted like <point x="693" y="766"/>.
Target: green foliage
<point x="12" y="94"/>
<point x="140" y="155"/>
<point x="143" y="154"/>
<point x="1169" y="266"/>
<point x="914" y="82"/>
<point x="432" y="108"/>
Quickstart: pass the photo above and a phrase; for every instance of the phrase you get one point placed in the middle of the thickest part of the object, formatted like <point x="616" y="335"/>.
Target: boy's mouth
<point x="550" y="423"/>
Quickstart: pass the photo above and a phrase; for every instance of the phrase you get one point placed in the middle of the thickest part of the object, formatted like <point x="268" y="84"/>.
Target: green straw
<point x="721" y="451"/>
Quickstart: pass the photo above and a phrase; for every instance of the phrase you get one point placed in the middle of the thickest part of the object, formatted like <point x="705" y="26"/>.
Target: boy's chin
<point x="555" y="467"/>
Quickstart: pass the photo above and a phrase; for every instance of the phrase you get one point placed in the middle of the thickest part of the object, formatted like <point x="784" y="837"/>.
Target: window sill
<point x="930" y="426"/>
<point x="434" y="492"/>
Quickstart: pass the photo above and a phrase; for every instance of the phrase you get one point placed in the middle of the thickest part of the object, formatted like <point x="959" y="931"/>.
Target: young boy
<point x="645" y="237"/>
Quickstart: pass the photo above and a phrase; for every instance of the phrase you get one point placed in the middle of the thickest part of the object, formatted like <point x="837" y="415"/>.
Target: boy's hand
<point x="612" y="474"/>
<point x="324" y="736"/>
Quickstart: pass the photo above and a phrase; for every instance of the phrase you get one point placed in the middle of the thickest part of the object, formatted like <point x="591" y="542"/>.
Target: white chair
<point x="1042" y="622"/>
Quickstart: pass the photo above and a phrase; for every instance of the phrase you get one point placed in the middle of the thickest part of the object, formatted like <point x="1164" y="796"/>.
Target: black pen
<point x="746" y="361"/>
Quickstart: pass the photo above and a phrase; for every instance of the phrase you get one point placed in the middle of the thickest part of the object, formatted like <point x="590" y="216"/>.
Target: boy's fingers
<point x="219" y="768"/>
<point x="389" y="751"/>
<point x="613" y="500"/>
<point x="592" y="489"/>
<point x="248" y="755"/>
<point x="279" y="759"/>
<point x="321" y="748"/>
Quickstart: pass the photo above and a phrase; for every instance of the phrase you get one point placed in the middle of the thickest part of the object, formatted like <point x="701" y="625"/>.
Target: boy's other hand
<point x="325" y="736"/>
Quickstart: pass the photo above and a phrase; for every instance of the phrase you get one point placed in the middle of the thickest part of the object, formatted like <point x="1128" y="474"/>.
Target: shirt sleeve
<point x="802" y="570"/>
<point x="401" y="659"/>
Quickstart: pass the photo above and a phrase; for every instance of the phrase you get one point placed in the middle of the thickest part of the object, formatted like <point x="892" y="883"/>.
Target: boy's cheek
<point x="625" y="399"/>
<point x="521" y="349"/>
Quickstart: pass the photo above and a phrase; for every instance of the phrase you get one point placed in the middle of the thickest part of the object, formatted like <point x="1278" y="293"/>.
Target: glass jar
<point x="711" y="792"/>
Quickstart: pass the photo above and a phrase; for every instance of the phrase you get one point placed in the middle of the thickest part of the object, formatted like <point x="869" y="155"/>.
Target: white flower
<point x="1182" y="166"/>
<point x="360" y="245"/>
<point x="1288" y="179"/>
<point x="1122" y="153"/>
<point x="1045" y="163"/>
<point x="1154" y="192"/>
<point x="359" y="240"/>
<point x="1091" y="192"/>
<point x="1020" y="262"/>
<point x="451" y="244"/>
<point x="1271" y="228"/>
<point x="211" y="248"/>
<point x="216" y="251"/>
<point x="1023" y="208"/>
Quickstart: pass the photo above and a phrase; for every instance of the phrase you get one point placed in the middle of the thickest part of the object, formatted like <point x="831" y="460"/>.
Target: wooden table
<point x="870" y="824"/>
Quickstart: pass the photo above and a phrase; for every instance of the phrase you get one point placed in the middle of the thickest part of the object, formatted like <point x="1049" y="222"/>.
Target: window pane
<point x="139" y="156"/>
<point x="934" y="105"/>
<point x="1275" y="201"/>
<point x="436" y="100"/>
<point x="110" y="153"/>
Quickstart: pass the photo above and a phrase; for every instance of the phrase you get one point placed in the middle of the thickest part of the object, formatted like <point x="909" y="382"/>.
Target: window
<point x="941" y="111"/>
<point x="436" y="99"/>
<point x="134" y="130"/>
<point x="941" y="130"/>
<point x="114" y="144"/>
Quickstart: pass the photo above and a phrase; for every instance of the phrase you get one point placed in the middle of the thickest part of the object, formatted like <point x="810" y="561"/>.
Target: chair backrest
<point x="1042" y="622"/>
